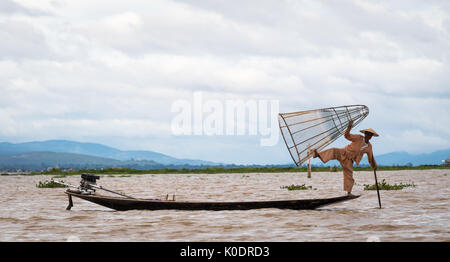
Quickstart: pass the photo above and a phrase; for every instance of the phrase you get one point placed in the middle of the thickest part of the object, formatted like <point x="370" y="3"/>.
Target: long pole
<point x="309" y="167"/>
<point x="376" y="184"/>
<point x="309" y="161"/>
<point x="121" y="194"/>
<point x="95" y="186"/>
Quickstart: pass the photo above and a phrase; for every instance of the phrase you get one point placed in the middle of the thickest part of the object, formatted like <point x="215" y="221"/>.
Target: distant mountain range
<point x="43" y="154"/>
<point x="70" y="154"/>
<point x="404" y="158"/>
<point x="44" y="160"/>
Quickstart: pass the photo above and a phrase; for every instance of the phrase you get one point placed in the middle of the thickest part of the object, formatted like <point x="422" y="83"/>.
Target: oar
<point x="376" y="184"/>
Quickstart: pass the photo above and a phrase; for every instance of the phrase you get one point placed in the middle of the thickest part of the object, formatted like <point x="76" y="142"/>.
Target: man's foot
<point x="350" y="194"/>
<point x="315" y="154"/>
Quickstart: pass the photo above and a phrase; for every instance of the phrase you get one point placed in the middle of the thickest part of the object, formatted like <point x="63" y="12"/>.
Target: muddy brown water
<point x="420" y="213"/>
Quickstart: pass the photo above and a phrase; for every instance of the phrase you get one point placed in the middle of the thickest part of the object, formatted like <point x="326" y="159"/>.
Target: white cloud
<point x="416" y="141"/>
<point x="69" y="68"/>
<point x="20" y="40"/>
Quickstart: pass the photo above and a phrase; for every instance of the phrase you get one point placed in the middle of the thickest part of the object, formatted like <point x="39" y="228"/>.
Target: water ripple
<point x="414" y="214"/>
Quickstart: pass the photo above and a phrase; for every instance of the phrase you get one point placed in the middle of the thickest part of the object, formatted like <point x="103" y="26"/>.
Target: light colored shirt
<point x="358" y="148"/>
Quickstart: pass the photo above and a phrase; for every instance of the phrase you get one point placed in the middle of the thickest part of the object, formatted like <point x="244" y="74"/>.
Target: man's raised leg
<point x="329" y="154"/>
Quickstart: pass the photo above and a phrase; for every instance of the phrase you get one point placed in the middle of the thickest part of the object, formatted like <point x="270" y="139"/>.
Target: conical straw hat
<point x="370" y="130"/>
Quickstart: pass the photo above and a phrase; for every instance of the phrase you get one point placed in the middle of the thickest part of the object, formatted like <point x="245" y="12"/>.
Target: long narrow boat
<point x="122" y="204"/>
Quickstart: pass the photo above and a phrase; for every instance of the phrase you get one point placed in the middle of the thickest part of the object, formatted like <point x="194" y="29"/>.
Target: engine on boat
<point x="87" y="180"/>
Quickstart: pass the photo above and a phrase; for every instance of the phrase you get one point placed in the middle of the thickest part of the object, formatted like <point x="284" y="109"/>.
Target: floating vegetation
<point x="296" y="187"/>
<point x="49" y="184"/>
<point x="227" y="170"/>
<point x="60" y="176"/>
<point x="385" y="186"/>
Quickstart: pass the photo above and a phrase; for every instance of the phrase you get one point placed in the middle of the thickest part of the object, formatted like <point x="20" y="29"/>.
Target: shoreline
<point x="220" y="170"/>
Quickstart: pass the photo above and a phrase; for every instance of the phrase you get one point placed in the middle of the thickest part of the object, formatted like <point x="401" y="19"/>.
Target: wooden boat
<point x="121" y="203"/>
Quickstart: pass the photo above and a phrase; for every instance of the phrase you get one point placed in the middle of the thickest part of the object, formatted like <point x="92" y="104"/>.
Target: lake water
<point x="420" y="213"/>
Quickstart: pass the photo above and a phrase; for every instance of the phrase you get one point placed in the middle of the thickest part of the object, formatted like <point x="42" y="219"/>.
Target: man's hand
<point x="347" y="131"/>
<point x="350" y="124"/>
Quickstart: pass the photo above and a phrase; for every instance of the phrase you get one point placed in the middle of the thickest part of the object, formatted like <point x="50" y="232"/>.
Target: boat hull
<point x="122" y="204"/>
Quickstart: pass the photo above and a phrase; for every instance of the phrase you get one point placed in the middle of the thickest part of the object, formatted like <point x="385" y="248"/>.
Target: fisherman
<point x="351" y="153"/>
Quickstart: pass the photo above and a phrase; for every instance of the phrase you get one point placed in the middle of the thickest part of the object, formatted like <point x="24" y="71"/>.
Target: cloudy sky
<point x="109" y="71"/>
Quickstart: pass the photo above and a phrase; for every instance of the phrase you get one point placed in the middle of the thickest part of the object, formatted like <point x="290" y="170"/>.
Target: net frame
<point x="339" y="116"/>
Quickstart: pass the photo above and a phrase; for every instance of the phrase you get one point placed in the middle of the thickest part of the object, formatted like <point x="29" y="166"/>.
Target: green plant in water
<point x="385" y="186"/>
<point x="49" y="184"/>
<point x="296" y="187"/>
<point x="226" y="170"/>
<point x="60" y="176"/>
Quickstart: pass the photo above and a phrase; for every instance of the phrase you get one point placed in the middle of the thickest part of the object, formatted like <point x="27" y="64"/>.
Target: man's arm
<point x="347" y="134"/>
<point x="371" y="159"/>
